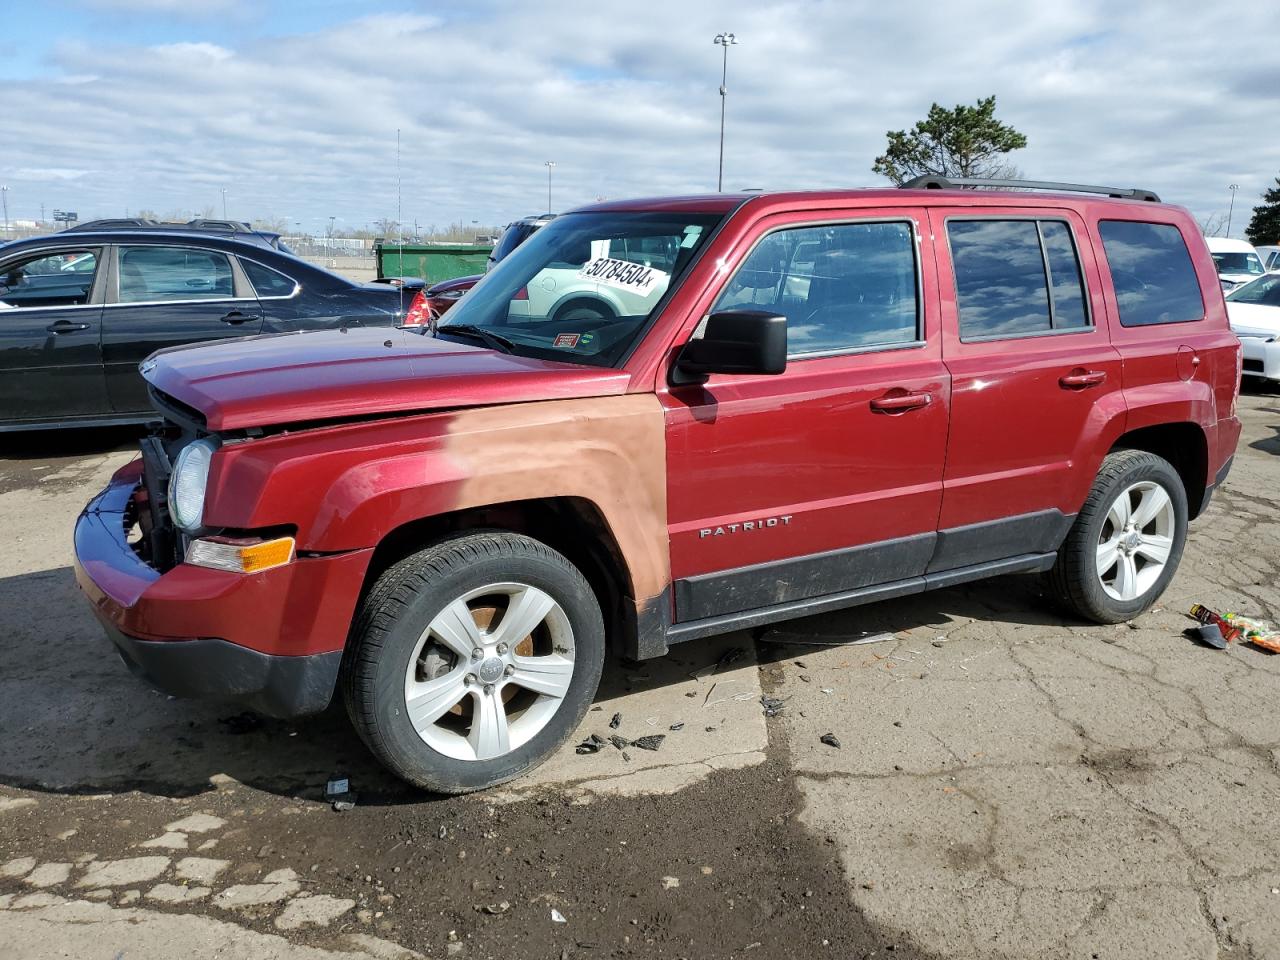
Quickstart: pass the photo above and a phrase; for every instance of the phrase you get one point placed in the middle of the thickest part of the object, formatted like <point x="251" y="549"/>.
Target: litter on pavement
<point x="831" y="740"/>
<point x="1231" y="627"/>
<point x="1260" y="633"/>
<point x="1210" y="634"/>
<point x="772" y="705"/>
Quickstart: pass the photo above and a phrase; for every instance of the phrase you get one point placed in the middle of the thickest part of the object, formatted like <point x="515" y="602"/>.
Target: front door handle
<point x="66" y="326"/>
<point x="235" y="318"/>
<point x="901" y="402"/>
<point x="1081" y="379"/>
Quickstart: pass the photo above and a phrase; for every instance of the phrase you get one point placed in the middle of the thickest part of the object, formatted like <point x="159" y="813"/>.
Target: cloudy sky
<point x="292" y="106"/>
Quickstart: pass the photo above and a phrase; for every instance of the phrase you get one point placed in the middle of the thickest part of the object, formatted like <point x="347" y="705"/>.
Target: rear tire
<point x="1127" y="540"/>
<point x="473" y="660"/>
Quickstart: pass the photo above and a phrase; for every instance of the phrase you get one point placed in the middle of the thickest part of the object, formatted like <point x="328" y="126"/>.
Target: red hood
<point x="294" y="377"/>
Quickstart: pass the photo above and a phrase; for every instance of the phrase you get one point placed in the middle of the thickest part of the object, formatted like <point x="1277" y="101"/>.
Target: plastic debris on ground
<point x="1260" y="633"/>
<point x="772" y="705"/>
<point x="831" y="740"/>
<point x="1207" y="617"/>
<point x="677" y="726"/>
<point x="652" y="742"/>
<point x="557" y="916"/>
<point x="619" y="742"/>
<point x="729" y="657"/>
<point x="1210" y="635"/>
<point x="338" y="793"/>
<point x="616" y="722"/>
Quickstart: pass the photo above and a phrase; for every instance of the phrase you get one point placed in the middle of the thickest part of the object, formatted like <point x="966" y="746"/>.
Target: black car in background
<point x="79" y="310"/>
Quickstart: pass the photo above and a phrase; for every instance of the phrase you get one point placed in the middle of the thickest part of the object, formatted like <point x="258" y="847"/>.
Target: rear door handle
<point x="235" y="318"/>
<point x="1080" y="379"/>
<point x="66" y="326"/>
<point x="901" y="402"/>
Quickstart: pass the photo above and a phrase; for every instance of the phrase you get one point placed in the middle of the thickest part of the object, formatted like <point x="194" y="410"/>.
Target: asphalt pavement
<point x="995" y="781"/>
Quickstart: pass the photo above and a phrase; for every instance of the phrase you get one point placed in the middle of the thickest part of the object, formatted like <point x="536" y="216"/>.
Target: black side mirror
<point x="734" y="341"/>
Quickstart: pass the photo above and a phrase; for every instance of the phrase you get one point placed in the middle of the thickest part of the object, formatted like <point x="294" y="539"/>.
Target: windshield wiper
<point x="495" y="341"/>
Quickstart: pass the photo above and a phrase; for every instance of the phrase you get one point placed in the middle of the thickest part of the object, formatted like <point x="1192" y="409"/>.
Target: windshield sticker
<point x="565" y="341"/>
<point x="623" y="274"/>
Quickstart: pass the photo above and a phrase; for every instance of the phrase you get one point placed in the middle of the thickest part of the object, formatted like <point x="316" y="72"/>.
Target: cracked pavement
<point x="1008" y="783"/>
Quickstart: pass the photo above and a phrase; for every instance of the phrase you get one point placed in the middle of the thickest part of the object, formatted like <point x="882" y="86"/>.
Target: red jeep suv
<point x="762" y="406"/>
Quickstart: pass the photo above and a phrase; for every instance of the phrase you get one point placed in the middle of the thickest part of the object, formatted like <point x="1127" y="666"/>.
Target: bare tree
<point x="1214" y="225"/>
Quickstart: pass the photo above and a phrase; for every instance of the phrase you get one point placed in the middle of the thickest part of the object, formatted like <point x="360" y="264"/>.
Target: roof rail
<point x="142" y="223"/>
<point x="235" y="226"/>
<point x="933" y="182"/>
<point x="110" y="223"/>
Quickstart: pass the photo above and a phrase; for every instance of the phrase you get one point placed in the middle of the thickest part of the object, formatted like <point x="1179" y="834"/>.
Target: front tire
<point x="473" y="660"/>
<point x="1127" y="540"/>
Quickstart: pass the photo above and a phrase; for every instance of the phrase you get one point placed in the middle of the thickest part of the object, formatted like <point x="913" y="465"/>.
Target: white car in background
<point x="1236" y="260"/>
<point x="1254" y="312"/>
<point x="614" y="278"/>
<point x="1270" y="258"/>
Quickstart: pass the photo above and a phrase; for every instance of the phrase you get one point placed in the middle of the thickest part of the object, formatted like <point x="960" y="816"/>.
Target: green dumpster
<point x="432" y="262"/>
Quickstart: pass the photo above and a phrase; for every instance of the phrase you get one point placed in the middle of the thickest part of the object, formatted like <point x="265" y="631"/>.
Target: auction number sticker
<point x="623" y="274"/>
<point x="565" y="341"/>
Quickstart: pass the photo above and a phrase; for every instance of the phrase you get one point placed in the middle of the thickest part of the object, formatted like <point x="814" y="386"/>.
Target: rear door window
<point x="1151" y="270"/>
<point x="1016" y="278"/>
<point x="150" y="274"/>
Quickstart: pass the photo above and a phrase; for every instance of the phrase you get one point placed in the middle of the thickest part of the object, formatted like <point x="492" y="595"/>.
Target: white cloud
<point x="303" y="125"/>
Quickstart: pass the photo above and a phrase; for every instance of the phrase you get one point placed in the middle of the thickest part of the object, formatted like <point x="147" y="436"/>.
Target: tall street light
<point x="549" y="164"/>
<point x="224" y="203"/>
<point x="1230" y="209"/>
<point x="724" y="40"/>
<point x="4" y="197"/>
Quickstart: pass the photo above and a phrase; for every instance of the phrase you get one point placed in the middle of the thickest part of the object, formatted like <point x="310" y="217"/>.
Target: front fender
<point x="345" y="488"/>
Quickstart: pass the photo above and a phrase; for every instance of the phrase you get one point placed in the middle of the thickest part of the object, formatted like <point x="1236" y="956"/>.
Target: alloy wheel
<point x="1136" y="540"/>
<point x="490" y="671"/>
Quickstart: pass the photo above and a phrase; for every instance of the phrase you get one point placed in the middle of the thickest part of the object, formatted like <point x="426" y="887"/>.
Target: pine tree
<point x="1264" y="226"/>
<point x="960" y="142"/>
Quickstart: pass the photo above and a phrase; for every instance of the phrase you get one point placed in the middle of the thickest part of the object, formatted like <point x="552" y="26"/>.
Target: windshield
<point x="511" y="238"/>
<point x="583" y="288"/>
<point x="1264" y="290"/>
<point x="1238" y="263"/>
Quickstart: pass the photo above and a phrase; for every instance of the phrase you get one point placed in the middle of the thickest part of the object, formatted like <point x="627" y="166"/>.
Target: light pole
<point x="1231" y="208"/>
<point x="328" y="239"/>
<point x="724" y="40"/>
<point x="549" y="164"/>
<point x="224" y="203"/>
<point x="4" y="197"/>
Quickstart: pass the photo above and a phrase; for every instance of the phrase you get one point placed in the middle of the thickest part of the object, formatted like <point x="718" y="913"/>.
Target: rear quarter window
<point x="1151" y="270"/>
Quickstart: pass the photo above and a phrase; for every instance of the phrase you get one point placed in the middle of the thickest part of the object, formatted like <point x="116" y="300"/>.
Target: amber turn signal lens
<point x="241" y="556"/>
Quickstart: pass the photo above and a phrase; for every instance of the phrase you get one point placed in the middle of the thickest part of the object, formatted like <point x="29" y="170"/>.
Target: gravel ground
<point x="1007" y="783"/>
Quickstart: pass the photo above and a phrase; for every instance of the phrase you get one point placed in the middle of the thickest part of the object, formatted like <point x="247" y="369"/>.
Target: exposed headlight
<point x="187" y="484"/>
